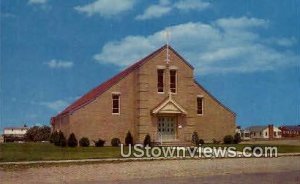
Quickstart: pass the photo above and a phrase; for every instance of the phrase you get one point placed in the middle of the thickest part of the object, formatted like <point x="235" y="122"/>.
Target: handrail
<point x="159" y="137"/>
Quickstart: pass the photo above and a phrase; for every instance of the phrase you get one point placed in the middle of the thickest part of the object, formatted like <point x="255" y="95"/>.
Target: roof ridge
<point x="98" y="90"/>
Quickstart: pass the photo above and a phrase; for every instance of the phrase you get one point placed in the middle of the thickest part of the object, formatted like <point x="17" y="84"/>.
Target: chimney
<point x="271" y="131"/>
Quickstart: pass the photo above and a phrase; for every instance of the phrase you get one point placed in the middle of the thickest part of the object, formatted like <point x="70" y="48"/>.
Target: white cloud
<point x="37" y="1"/>
<point x="57" y="105"/>
<point x="165" y="7"/>
<point x="241" y="23"/>
<point x="191" y="5"/>
<point x="154" y="11"/>
<point x="224" y="45"/>
<point x="54" y="63"/>
<point x="106" y="8"/>
<point x="283" y="42"/>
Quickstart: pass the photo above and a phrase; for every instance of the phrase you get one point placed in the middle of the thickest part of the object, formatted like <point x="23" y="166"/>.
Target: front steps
<point x="173" y="143"/>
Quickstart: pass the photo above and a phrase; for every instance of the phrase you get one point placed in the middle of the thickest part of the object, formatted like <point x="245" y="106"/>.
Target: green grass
<point x="281" y="148"/>
<point x="46" y="151"/>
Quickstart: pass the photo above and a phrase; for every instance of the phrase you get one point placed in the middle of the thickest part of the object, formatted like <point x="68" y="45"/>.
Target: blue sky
<point x="246" y="53"/>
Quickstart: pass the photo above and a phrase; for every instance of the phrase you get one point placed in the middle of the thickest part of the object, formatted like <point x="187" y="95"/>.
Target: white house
<point x="14" y="133"/>
<point x="245" y="134"/>
<point x="264" y="132"/>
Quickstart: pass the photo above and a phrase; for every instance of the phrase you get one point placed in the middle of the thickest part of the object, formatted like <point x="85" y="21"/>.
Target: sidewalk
<point x="112" y="160"/>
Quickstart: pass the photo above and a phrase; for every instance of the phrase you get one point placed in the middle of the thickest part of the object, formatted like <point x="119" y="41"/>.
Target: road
<point x="238" y="170"/>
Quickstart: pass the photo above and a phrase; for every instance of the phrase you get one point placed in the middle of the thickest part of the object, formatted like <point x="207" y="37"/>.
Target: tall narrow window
<point x="116" y="103"/>
<point x="160" y="80"/>
<point x="199" y="105"/>
<point x="173" y="81"/>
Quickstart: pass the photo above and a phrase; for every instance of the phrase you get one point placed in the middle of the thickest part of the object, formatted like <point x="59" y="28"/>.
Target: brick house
<point x="264" y="132"/>
<point x="290" y="130"/>
<point x="157" y="96"/>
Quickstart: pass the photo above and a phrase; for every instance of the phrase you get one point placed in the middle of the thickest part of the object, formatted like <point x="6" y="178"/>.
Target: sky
<point x="246" y="53"/>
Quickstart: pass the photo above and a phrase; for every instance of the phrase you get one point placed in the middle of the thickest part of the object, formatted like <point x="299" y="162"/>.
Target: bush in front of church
<point x="237" y="138"/>
<point x="115" y="142"/>
<point x="99" y="143"/>
<point x="128" y="139"/>
<point x="54" y="138"/>
<point x="72" y="141"/>
<point x="84" y="142"/>
<point x="201" y="141"/>
<point x="195" y="138"/>
<point x="147" y="140"/>
<point x="228" y="139"/>
<point x="62" y="139"/>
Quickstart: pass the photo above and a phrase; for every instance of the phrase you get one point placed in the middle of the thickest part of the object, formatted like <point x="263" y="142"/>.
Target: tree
<point x="84" y="142"/>
<point x="115" y="142"/>
<point x="237" y="138"/>
<point x="128" y="139"/>
<point x="37" y="133"/>
<point x="62" y="139"/>
<point x="201" y="141"/>
<point x="99" y="143"/>
<point x="31" y="133"/>
<point x="43" y="133"/>
<point x="228" y="139"/>
<point x="72" y="141"/>
<point x="195" y="138"/>
<point x="147" y="140"/>
<point x="54" y="138"/>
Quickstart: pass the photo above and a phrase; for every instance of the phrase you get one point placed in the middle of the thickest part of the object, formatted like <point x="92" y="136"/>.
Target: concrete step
<point x="173" y="143"/>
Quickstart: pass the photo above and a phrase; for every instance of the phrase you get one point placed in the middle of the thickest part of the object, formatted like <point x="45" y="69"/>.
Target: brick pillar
<point x="271" y="131"/>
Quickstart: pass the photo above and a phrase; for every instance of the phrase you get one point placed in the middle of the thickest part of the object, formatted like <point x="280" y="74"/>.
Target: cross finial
<point x="167" y="36"/>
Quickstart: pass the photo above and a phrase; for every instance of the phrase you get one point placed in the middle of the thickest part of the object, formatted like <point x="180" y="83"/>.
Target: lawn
<point x="47" y="151"/>
<point x="281" y="148"/>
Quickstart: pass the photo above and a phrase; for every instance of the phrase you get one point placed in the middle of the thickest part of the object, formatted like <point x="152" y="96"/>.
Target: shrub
<point x="147" y="140"/>
<point x="54" y="138"/>
<point x="37" y="133"/>
<point x="201" y="141"/>
<point x="257" y="151"/>
<point x="228" y="139"/>
<point x="72" y="141"/>
<point x="62" y="140"/>
<point x="215" y="141"/>
<point x="84" y="142"/>
<point x="128" y="139"/>
<point x="115" y="142"/>
<point x="195" y="138"/>
<point x="99" y="143"/>
<point x="237" y="138"/>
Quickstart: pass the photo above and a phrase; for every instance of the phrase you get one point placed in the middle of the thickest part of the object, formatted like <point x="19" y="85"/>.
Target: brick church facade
<point x="153" y="96"/>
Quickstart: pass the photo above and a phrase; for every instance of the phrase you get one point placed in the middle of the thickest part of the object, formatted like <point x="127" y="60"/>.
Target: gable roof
<point x="256" y="128"/>
<point x="169" y="105"/>
<point x="16" y="128"/>
<point x="199" y="85"/>
<point x="94" y="93"/>
<point x="290" y="127"/>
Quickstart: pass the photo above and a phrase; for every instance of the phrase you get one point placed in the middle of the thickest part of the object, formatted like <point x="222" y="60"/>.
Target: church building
<point x="158" y="96"/>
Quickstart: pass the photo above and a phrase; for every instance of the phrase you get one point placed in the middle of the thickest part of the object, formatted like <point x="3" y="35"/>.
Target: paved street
<point x="253" y="170"/>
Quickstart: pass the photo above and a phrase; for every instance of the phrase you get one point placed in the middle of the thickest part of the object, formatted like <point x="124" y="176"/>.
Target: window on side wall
<point x="116" y="103"/>
<point x="160" y="80"/>
<point x="200" y="105"/>
<point x="173" y="81"/>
